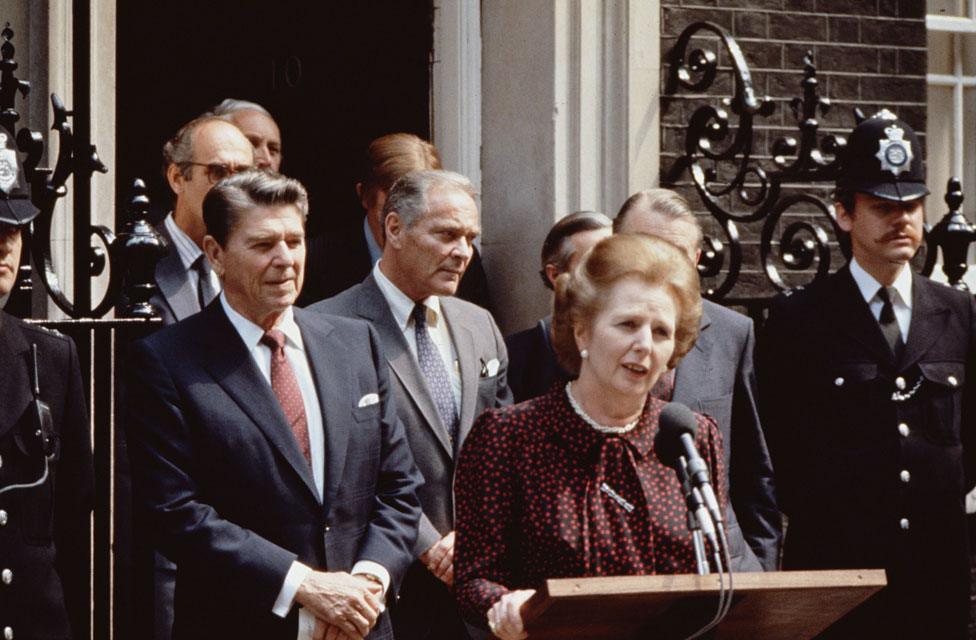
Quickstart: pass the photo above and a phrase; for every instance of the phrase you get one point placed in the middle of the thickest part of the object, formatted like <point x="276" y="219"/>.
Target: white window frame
<point x="957" y="80"/>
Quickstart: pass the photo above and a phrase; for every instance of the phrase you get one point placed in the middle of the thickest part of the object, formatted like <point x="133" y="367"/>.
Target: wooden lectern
<point x="787" y="605"/>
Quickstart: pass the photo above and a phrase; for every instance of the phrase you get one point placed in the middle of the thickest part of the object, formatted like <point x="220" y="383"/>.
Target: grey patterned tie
<point x="433" y="369"/>
<point x="205" y="289"/>
<point x="888" y="322"/>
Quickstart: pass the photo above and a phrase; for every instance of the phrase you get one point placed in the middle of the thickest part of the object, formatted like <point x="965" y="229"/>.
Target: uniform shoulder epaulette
<point x="46" y="330"/>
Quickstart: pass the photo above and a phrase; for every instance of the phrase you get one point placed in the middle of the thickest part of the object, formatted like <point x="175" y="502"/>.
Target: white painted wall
<point x="569" y="121"/>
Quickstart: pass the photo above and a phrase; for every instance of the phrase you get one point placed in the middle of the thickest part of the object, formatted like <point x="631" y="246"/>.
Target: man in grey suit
<point x="449" y="364"/>
<point x="717" y="378"/>
<point x="202" y="152"/>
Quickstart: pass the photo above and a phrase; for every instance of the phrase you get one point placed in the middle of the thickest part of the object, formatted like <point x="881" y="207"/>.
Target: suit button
<point x="6" y="576"/>
<point x="900" y="383"/>
<point x="838" y="382"/>
<point x="905" y="475"/>
<point x="8" y="633"/>
<point x="953" y="382"/>
<point x="903" y="523"/>
<point x="903" y="429"/>
<point x="328" y="528"/>
<point x="3" y="518"/>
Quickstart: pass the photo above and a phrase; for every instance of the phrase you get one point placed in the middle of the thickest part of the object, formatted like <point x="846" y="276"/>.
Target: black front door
<point x="335" y="74"/>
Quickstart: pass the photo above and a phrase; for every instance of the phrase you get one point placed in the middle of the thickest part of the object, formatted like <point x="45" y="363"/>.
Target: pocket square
<point x="490" y="368"/>
<point x="368" y="399"/>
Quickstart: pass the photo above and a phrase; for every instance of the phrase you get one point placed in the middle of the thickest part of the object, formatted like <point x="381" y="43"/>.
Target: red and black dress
<point x="539" y="493"/>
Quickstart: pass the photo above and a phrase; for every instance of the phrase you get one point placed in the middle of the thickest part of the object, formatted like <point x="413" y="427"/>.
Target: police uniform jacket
<point x="873" y="455"/>
<point x="44" y="553"/>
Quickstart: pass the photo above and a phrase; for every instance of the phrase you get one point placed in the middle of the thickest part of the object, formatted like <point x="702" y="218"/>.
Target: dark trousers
<point x="426" y="610"/>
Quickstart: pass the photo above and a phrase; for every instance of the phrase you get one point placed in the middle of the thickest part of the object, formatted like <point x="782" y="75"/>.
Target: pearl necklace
<point x="602" y="428"/>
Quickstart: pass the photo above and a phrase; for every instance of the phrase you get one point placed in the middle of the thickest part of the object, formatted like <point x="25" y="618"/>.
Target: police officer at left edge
<point x="46" y="475"/>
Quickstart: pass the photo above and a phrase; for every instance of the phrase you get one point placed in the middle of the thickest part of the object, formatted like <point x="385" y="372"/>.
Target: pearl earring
<point x="584" y="354"/>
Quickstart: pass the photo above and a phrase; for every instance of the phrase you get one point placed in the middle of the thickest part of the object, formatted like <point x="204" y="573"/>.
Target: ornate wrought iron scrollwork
<point x="753" y="192"/>
<point x="750" y="192"/>
<point x="48" y="187"/>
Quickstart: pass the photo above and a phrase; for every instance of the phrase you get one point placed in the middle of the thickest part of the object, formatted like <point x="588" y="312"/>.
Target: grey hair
<point x="663" y="202"/>
<point x="178" y="150"/>
<point x="410" y="194"/>
<point x="241" y="192"/>
<point x="231" y="106"/>
<point x="558" y="248"/>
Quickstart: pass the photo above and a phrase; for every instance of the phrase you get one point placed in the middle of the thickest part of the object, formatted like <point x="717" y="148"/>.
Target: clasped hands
<point x="345" y="606"/>
<point x="439" y="559"/>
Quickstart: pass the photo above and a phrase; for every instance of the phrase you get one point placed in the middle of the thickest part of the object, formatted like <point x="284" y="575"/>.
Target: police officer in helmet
<point x="46" y="477"/>
<point x="867" y="392"/>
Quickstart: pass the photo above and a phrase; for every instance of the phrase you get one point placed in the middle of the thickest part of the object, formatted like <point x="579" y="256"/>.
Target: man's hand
<point x="375" y="585"/>
<point x="505" y="616"/>
<point x="340" y="600"/>
<point x="439" y="559"/>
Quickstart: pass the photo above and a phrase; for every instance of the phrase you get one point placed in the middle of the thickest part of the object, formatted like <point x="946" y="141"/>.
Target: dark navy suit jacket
<point x="227" y="490"/>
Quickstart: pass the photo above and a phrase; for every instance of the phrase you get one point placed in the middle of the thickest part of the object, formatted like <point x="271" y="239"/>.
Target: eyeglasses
<point x="216" y="171"/>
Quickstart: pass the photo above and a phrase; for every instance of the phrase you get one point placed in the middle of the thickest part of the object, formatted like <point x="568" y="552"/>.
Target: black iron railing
<point x="130" y="258"/>
<point x="720" y="159"/>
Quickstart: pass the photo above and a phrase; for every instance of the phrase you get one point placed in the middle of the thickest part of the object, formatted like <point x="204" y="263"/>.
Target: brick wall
<point x="868" y="53"/>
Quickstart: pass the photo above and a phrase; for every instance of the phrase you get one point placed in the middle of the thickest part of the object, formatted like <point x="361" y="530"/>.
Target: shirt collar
<point x="401" y="305"/>
<point x="868" y="286"/>
<point x="251" y="333"/>
<point x="186" y="248"/>
<point x="373" y="247"/>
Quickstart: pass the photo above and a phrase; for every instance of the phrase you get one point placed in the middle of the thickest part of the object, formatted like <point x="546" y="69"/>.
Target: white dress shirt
<point x="251" y="335"/>
<point x="901" y="302"/>
<point x="402" y="307"/>
<point x="188" y="251"/>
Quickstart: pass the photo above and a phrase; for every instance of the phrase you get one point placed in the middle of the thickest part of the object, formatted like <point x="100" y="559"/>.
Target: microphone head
<point x="675" y="420"/>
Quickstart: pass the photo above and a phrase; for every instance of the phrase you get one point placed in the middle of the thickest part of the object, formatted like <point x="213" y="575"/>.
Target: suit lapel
<point x="373" y="307"/>
<point x="686" y="382"/>
<point x="852" y="316"/>
<point x="174" y="282"/>
<point x="335" y="391"/>
<point x="470" y="367"/>
<point x="15" y="384"/>
<point x="929" y="318"/>
<point x="232" y="367"/>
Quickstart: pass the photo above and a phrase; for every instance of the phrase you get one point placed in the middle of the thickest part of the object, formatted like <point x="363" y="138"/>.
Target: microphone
<point x="675" y="447"/>
<point x="675" y="440"/>
<point x="699" y="522"/>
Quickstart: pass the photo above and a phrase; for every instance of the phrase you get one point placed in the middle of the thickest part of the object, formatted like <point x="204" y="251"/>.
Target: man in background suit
<point x="717" y="378"/>
<point x="258" y="126"/>
<point x="532" y="362"/>
<point x="868" y="396"/>
<point x="266" y="445"/>
<point x="202" y="152"/>
<point x="449" y="364"/>
<point x="339" y="259"/>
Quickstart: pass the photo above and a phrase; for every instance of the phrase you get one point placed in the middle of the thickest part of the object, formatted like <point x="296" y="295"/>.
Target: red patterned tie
<point x="285" y="387"/>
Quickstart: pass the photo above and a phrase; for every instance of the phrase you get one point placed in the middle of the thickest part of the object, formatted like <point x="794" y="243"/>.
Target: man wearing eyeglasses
<point x="202" y="152"/>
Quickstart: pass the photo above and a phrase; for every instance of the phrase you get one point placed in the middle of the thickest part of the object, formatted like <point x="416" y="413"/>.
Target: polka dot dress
<point x="540" y="494"/>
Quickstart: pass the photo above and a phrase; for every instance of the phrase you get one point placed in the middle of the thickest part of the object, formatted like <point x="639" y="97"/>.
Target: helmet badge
<point x="894" y="152"/>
